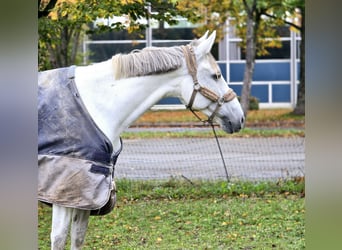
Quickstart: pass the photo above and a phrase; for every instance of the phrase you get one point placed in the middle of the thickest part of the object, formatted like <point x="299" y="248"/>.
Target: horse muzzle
<point x="230" y="126"/>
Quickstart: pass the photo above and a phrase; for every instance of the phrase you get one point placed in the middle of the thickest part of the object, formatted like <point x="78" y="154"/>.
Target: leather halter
<point x="190" y="59"/>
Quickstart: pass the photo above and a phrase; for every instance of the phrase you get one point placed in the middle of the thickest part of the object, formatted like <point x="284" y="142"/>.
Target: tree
<point x="210" y="15"/>
<point x="300" y="107"/>
<point x="250" y="26"/>
<point x="59" y="35"/>
<point x="260" y="14"/>
<point x="61" y="27"/>
<point x="44" y="8"/>
<point x="292" y="12"/>
<point x="254" y="20"/>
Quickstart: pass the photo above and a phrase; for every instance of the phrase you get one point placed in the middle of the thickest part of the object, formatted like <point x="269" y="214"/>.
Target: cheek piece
<point x="211" y="95"/>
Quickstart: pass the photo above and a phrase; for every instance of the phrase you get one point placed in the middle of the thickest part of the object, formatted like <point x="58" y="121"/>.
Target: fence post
<point x="85" y="57"/>
<point x="293" y="69"/>
<point x="227" y="50"/>
<point x="148" y="28"/>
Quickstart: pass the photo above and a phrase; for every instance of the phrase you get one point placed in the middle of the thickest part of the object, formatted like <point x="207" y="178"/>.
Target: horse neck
<point x="114" y="105"/>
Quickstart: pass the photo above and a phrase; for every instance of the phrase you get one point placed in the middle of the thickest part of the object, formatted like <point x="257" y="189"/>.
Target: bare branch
<point x="287" y="22"/>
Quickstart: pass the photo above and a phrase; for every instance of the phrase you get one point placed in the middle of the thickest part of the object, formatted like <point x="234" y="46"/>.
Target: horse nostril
<point x="242" y="120"/>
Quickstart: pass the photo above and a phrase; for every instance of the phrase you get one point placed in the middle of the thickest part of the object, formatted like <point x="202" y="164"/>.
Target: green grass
<point x="188" y="133"/>
<point x="177" y="214"/>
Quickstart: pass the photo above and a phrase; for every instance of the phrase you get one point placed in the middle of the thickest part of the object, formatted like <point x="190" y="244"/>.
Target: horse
<point x="77" y="181"/>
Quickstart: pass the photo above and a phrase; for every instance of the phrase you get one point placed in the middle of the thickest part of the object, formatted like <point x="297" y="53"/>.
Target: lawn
<point x="262" y="117"/>
<point x="189" y="133"/>
<point x="178" y="214"/>
<point x="260" y="123"/>
<point x="181" y="214"/>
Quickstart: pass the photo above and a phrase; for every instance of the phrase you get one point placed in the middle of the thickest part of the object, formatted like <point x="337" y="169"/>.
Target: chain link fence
<point x="255" y="158"/>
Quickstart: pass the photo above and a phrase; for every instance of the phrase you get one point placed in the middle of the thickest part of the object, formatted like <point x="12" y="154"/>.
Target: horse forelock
<point x="148" y="61"/>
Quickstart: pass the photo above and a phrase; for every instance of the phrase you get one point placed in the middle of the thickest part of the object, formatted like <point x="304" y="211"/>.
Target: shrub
<point x="253" y="102"/>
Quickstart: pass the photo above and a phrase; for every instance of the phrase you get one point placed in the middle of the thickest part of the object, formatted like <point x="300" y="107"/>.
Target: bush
<point x="253" y="103"/>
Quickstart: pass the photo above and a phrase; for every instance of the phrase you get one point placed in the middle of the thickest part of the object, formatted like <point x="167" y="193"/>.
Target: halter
<point x="190" y="59"/>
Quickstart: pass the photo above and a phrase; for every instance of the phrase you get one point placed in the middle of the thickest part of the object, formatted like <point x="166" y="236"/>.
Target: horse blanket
<point x="75" y="159"/>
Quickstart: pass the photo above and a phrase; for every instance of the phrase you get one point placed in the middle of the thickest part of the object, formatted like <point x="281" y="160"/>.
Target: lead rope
<point x="219" y="147"/>
<point x="192" y="68"/>
<point x="217" y="142"/>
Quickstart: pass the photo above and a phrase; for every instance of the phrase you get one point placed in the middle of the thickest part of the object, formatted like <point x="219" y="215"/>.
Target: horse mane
<point x="148" y="61"/>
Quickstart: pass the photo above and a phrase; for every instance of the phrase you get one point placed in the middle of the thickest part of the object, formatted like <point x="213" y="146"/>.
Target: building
<point x="275" y="79"/>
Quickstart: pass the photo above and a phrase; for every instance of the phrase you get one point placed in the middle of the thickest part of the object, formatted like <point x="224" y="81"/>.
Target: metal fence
<point x="274" y="83"/>
<point x="271" y="158"/>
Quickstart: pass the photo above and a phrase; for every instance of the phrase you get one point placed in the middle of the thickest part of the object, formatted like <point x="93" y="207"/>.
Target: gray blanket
<point x="75" y="159"/>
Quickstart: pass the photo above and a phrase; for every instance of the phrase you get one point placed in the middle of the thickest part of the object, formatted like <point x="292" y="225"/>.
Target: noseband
<point x="212" y="96"/>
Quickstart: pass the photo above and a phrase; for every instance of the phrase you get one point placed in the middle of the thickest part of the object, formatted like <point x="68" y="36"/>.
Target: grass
<point x="245" y="133"/>
<point x="177" y="214"/>
<point x="260" y="123"/>
<point x="253" y="116"/>
<point x="269" y="115"/>
<point x="183" y="214"/>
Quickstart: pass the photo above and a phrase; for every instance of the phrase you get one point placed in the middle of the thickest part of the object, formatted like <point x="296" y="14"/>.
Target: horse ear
<point x="205" y="47"/>
<point x="204" y="37"/>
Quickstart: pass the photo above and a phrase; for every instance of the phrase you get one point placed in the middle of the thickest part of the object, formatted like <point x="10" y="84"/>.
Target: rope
<point x="190" y="61"/>
<point x="219" y="147"/>
<point x="230" y="95"/>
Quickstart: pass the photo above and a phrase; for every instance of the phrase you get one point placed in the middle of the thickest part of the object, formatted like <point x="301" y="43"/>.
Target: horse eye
<point x="216" y="76"/>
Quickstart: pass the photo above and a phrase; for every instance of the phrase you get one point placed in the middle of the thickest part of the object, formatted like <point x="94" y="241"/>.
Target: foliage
<point x="292" y="12"/>
<point x="175" y="214"/>
<point x="60" y="31"/>
<point x="252" y="20"/>
<point x="253" y="102"/>
<point x="212" y="15"/>
<point x="287" y="11"/>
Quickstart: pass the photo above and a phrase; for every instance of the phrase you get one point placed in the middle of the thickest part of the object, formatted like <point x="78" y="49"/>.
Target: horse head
<point x="204" y="89"/>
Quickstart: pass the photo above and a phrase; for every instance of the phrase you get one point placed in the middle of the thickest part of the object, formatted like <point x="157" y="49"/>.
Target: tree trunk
<point x="75" y="40"/>
<point x="64" y="53"/>
<point x="300" y="106"/>
<point x="249" y="67"/>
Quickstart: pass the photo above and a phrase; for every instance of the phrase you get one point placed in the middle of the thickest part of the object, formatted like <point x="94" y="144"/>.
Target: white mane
<point x="148" y="61"/>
